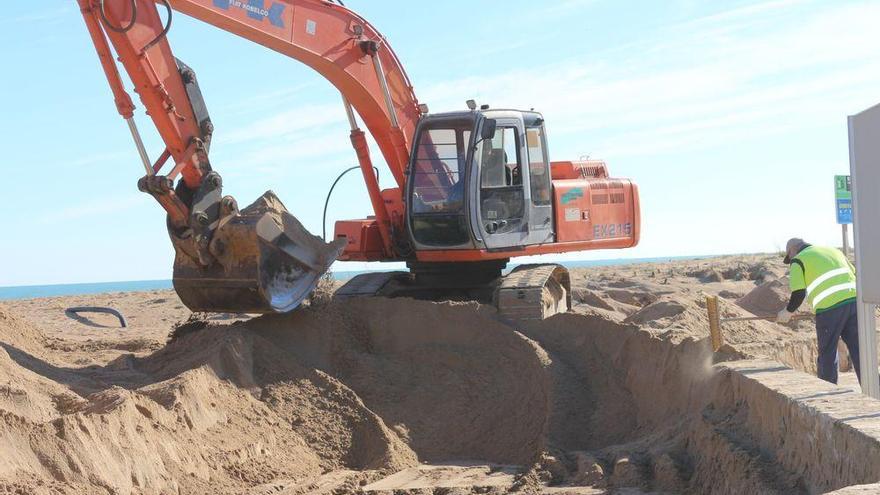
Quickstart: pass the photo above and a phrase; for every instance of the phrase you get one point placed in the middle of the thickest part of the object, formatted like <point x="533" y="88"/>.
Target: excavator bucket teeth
<point x="266" y="262"/>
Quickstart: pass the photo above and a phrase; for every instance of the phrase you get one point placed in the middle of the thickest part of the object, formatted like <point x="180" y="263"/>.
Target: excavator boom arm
<point x="337" y="43"/>
<point x="261" y="258"/>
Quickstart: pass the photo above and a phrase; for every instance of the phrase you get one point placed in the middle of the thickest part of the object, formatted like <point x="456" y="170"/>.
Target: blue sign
<point x="844" y="211"/>
<point x="256" y="9"/>
<point x="573" y="194"/>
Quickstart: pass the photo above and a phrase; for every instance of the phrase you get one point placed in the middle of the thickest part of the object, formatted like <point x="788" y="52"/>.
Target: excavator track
<point x="534" y="292"/>
<point x="528" y="292"/>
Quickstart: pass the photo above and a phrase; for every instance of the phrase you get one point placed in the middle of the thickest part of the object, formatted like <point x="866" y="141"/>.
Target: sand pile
<point x="15" y="331"/>
<point x="368" y="386"/>
<point x="340" y="395"/>
<point x="766" y="299"/>
<point x="448" y="378"/>
<point x="617" y="298"/>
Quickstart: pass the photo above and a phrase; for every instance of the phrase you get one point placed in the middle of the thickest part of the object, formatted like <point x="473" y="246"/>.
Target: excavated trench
<point x="580" y="399"/>
<point x="641" y="409"/>
<point x="343" y="395"/>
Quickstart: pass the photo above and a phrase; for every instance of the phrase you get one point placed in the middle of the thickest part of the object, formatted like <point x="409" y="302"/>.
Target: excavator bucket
<point x="266" y="262"/>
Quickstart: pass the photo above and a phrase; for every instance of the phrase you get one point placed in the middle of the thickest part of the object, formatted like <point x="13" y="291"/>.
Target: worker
<point x="826" y="277"/>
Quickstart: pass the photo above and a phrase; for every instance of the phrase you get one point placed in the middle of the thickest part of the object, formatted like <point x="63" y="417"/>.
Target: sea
<point x="37" y="291"/>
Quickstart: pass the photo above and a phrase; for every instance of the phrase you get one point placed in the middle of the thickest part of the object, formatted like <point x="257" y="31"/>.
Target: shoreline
<point x="23" y="292"/>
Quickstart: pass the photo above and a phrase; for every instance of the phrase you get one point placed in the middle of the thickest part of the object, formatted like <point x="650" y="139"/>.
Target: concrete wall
<point x="829" y="435"/>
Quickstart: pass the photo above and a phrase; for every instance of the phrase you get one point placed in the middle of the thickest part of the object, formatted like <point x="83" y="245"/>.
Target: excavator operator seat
<point x="495" y="169"/>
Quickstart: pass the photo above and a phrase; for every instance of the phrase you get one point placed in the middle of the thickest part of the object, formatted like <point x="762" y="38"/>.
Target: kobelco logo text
<point x="256" y="9"/>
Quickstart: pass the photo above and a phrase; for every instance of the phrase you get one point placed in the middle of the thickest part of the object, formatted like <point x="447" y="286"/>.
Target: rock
<point x="588" y="471"/>
<point x="627" y="473"/>
<point x="738" y="272"/>
<point x="554" y="467"/>
<point x="729" y="294"/>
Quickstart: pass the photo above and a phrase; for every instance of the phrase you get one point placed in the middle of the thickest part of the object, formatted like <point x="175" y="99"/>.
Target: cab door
<point x="502" y="215"/>
<point x="540" y="203"/>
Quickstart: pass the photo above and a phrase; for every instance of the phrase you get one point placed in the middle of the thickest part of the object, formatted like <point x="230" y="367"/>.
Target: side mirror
<point x="488" y="129"/>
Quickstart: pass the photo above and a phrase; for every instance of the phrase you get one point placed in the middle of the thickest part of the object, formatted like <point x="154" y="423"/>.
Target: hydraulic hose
<point x="134" y="13"/>
<point x="327" y="201"/>
<point x="111" y="27"/>
<point x="164" y="30"/>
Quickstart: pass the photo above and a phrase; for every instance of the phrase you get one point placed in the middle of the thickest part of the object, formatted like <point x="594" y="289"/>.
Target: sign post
<point x="864" y="164"/>
<point x="843" y="205"/>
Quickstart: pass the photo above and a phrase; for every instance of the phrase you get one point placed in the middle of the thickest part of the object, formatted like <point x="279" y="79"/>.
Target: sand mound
<point x="25" y="393"/>
<point x="766" y="299"/>
<point x="368" y="385"/>
<point x="17" y="333"/>
<point x="335" y="397"/>
<point x="707" y="275"/>
<point x="758" y="271"/>
<point x="660" y="310"/>
<point x="447" y="377"/>
<point x="590" y="297"/>
<point x="352" y="388"/>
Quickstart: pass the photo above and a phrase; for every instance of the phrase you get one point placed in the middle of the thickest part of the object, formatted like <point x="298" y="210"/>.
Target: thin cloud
<point x="40" y="16"/>
<point x="100" y="158"/>
<point x="720" y="79"/>
<point x="750" y="79"/>
<point x="94" y="208"/>
<point x="720" y="82"/>
<point x="748" y="12"/>
<point x="267" y="99"/>
<point x="284" y="123"/>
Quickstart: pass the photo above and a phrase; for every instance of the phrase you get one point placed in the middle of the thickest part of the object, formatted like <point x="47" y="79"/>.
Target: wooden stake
<point x="714" y="323"/>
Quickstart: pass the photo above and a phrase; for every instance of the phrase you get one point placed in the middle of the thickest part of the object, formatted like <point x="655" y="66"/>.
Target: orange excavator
<point x="473" y="188"/>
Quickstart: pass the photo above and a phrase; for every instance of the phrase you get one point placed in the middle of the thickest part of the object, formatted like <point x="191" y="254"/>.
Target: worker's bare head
<point x="792" y="248"/>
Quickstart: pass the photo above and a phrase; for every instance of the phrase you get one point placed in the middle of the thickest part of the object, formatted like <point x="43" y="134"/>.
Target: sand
<point x="381" y="395"/>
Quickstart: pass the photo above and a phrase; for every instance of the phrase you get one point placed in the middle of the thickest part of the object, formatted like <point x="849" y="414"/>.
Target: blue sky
<point x="731" y="117"/>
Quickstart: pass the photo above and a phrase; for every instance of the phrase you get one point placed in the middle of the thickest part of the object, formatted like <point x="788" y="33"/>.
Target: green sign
<point x="843" y="198"/>
<point x="842" y="187"/>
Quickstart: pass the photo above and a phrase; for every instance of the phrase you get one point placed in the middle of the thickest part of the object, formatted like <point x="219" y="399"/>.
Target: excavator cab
<point x="480" y="180"/>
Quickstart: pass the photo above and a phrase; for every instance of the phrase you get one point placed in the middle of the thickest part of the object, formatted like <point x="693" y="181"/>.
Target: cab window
<point x="501" y="163"/>
<point x="438" y="170"/>
<point x="438" y="179"/>
<point x="539" y="167"/>
<point x="501" y="190"/>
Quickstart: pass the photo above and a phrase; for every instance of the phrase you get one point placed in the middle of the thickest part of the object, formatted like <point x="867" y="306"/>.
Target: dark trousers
<point x="838" y="323"/>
